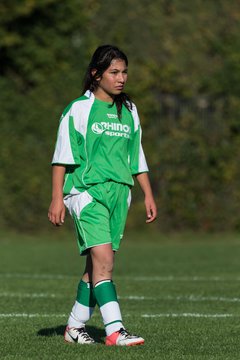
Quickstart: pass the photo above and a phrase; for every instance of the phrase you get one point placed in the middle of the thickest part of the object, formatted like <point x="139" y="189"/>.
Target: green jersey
<point x="96" y="146"/>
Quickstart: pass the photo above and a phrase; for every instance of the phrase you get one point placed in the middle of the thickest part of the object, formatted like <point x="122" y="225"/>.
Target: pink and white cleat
<point x="123" y="338"/>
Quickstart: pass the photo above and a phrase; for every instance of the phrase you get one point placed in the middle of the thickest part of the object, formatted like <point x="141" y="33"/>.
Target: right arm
<point x="56" y="212"/>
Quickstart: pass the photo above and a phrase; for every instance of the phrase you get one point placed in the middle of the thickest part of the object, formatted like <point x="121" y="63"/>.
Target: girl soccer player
<point x="97" y="153"/>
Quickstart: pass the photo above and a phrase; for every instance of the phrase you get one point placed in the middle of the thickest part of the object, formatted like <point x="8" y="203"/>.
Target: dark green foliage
<point x="184" y="76"/>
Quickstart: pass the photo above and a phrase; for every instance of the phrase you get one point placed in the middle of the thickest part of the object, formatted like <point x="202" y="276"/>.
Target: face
<point x="112" y="81"/>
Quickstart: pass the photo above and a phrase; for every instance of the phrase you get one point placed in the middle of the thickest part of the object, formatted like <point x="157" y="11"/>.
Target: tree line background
<point x="184" y="71"/>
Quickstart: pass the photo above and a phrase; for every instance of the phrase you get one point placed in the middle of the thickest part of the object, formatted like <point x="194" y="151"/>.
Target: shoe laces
<point x="82" y="332"/>
<point x="125" y="333"/>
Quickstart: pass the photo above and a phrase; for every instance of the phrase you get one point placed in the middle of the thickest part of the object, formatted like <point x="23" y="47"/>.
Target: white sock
<point x="80" y="314"/>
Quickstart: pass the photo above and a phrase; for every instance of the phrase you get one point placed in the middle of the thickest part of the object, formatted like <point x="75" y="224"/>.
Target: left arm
<point x="139" y="168"/>
<point x="150" y="205"/>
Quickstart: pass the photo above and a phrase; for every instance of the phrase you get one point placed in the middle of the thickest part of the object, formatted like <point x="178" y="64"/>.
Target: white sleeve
<point x="66" y="149"/>
<point x="137" y="156"/>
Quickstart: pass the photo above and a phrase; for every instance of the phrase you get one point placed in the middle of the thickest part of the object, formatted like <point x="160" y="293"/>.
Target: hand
<point x="56" y="212"/>
<point x="151" y="209"/>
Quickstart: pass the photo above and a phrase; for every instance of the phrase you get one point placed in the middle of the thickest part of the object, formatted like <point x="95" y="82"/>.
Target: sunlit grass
<point x="180" y="292"/>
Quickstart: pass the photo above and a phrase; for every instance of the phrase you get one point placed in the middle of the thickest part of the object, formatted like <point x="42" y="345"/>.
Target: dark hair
<point x="100" y="62"/>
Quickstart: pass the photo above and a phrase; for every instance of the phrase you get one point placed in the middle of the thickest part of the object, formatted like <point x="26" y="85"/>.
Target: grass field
<point x="180" y="292"/>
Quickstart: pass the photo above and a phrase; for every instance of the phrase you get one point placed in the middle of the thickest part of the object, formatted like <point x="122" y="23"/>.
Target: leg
<point x="102" y="257"/>
<point x="106" y="296"/>
<point x="87" y="274"/>
<point x="87" y="213"/>
<point x="82" y="309"/>
<point x="104" y="289"/>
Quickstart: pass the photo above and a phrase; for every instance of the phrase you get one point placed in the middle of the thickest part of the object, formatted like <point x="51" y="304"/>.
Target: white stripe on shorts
<point x="77" y="203"/>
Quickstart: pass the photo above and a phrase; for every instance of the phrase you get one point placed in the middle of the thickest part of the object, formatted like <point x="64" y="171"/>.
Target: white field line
<point x="187" y="298"/>
<point x="191" y="315"/>
<point x="149" y="316"/>
<point x="28" y="295"/>
<point x="138" y="298"/>
<point x="47" y="295"/>
<point x="196" y="298"/>
<point x="25" y="315"/>
<point x="182" y="278"/>
<point x="35" y="276"/>
<point x="128" y="278"/>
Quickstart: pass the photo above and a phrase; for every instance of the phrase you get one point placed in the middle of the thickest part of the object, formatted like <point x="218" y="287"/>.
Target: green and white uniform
<point x="101" y="153"/>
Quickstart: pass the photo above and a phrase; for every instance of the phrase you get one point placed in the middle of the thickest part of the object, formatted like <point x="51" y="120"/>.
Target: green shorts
<point x="100" y="214"/>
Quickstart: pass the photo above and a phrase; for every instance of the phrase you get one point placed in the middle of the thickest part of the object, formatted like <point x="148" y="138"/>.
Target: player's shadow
<point x="96" y="333"/>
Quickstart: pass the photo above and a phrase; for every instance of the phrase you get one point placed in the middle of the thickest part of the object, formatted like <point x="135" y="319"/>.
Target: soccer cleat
<point x="123" y="338"/>
<point x="78" y="336"/>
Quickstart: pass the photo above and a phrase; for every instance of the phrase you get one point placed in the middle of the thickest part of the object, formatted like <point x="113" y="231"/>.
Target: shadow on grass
<point x="96" y="333"/>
